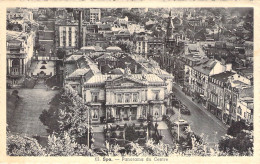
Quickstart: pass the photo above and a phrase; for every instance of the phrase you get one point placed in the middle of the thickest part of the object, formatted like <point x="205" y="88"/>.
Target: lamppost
<point x="179" y="116"/>
<point x="88" y="136"/>
<point x="156" y="126"/>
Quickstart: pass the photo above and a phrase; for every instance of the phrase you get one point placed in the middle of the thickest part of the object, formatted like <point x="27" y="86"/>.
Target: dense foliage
<point x="62" y="145"/>
<point x="238" y="141"/>
<point x="23" y="146"/>
<point x="67" y="113"/>
<point x="125" y="45"/>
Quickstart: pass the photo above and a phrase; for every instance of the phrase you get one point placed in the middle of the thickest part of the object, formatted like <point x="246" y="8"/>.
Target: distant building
<point x="95" y="15"/>
<point x="141" y="44"/>
<point x="236" y="96"/>
<point x="19" y="52"/>
<point x="245" y="109"/>
<point x="16" y="13"/>
<point x="67" y="36"/>
<point x="215" y="95"/>
<point x="78" y="69"/>
<point x="199" y="76"/>
<point x="155" y="47"/>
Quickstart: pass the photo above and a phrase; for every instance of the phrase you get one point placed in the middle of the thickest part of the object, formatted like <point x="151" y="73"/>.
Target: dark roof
<point x="206" y="66"/>
<point x="223" y="77"/>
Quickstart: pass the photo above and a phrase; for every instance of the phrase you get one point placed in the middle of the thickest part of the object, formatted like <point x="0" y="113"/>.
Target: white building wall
<point x="218" y="68"/>
<point x="241" y="78"/>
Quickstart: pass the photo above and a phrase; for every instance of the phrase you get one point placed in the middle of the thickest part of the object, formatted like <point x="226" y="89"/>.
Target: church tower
<point x="169" y="39"/>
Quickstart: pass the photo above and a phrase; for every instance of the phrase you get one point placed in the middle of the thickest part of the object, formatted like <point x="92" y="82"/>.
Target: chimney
<point x="80" y="30"/>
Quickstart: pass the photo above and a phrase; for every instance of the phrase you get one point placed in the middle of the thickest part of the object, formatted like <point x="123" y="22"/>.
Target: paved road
<point x="202" y="121"/>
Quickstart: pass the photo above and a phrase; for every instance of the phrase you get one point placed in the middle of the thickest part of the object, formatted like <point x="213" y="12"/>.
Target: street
<point x="201" y="121"/>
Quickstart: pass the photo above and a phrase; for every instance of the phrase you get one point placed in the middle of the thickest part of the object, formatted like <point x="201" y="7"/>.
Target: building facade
<point x="19" y="52"/>
<point x="95" y="15"/>
<point x="215" y="96"/>
<point x="67" y="36"/>
<point x="125" y="97"/>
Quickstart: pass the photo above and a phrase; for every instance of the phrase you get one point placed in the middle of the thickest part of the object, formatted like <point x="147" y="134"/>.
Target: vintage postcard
<point x="155" y="81"/>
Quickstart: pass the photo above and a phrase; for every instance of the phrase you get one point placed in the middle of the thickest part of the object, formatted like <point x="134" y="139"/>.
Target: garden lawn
<point x="24" y="117"/>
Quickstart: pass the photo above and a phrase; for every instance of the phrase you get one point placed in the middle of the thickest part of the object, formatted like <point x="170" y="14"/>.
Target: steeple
<point x="170" y="26"/>
<point x="170" y="13"/>
<point x="169" y="33"/>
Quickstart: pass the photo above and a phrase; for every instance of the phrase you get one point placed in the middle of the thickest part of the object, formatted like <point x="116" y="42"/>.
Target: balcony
<point x="15" y="74"/>
<point x="15" y="51"/>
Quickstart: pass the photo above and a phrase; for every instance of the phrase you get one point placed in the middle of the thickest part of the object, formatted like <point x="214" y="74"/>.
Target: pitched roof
<point x="117" y="71"/>
<point x="149" y="78"/>
<point x="14" y="35"/>
<point x="206" y="67"/>
<point x="223" y="77"/>
<point x="74" y="57"/>
<point x="88" y="48"/>
<point x="100" y="79"/>
<point x="113" y="48"/>
<point x="107" y="57"/>
<point x="79" y="72"/>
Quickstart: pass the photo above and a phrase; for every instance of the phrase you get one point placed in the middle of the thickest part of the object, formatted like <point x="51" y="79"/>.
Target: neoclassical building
<point x="126" y="97"/>
<point x="19" y="52"/>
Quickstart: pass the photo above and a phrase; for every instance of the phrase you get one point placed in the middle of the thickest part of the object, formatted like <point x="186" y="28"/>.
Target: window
<point x="156" y="114"/>
<point x="135" y="97"/>
<point x="94" y="96"/>
<point x="144" y="111"/>
<point x="156" y="95"/>
<point x="95" y="114"/>
<point x="119" y="98"/>
<point x="127" y="98"/>
<point x="14" y="82"/>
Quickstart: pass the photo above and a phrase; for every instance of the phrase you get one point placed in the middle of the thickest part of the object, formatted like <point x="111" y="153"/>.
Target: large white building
<point x="67" y="36"/>
<point x="19" y="52"/>
<point x="125" y="97"/>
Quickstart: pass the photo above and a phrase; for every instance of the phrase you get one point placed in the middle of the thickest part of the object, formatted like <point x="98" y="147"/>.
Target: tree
<point x="239" y="140"/>
<point x="125" y="45"/>
<point x="236" y="128"/>
<point x="61" y="53"/>
<point x="51" y="117"/>
<point x="23" y="146"/>
<point x="241" y="145"/>
<point x="64" y="145"/>
<point x="67" y="113"/>
<point x="130" y="133"/>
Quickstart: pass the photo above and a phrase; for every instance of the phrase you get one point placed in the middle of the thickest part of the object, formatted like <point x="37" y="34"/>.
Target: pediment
<point x="127" y="82"/>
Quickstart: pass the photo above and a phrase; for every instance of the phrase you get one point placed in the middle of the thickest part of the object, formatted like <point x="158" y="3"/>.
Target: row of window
<point x="127" y="97"/>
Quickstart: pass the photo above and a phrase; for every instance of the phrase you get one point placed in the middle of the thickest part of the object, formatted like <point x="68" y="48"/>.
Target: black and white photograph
<point x="130" y="82"/>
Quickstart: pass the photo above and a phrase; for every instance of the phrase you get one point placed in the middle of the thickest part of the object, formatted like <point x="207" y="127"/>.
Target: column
<point x="8" y="66"/>
<point x="21" y="67"/>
